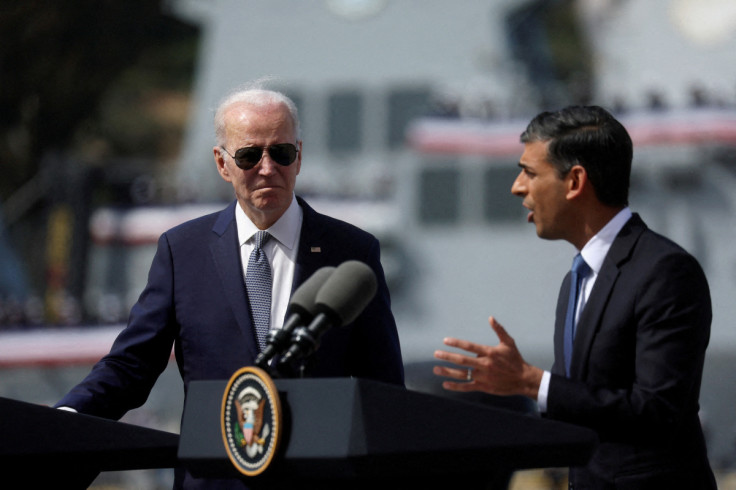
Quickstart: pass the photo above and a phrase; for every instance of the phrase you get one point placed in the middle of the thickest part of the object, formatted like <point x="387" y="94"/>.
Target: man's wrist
<point x="535" y="377"/>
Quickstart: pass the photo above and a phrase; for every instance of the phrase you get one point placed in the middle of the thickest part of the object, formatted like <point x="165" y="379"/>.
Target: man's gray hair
<point x="254" y="93"/>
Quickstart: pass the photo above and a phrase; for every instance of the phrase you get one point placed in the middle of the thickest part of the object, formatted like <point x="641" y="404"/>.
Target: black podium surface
<point x="60" y="449"/>
<point x="340" y="430"/>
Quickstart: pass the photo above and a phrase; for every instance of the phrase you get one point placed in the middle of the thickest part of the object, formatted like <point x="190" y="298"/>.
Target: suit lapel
<point x="591" y="317"/>
<point x="226" y="256"/>
<point x="559" y="363"/>
<point x="312" y="252"/>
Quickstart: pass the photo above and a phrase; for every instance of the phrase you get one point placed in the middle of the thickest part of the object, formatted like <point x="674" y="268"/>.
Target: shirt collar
<point x="594" y="252"/>
<point x="285" y="230"/>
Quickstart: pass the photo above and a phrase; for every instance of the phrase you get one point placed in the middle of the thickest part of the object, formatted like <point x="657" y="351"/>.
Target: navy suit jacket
<point x="195" y="301"/>
<point x="637" y="366"/>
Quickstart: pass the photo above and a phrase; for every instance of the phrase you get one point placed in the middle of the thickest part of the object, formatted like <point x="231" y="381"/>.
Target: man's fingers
<point x="459" y="359"/>
<point x="465" y="345"/>
<point x="454" y="386"/>
<point x="462" y="381"/>
<point x="448" y="372"/>
<point x="501" y="332"/>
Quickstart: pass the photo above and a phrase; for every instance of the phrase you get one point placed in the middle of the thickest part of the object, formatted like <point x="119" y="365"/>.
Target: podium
<point x="338" y="433"/>
<point x="45" y="447"/>
<point x="356" y="433"/>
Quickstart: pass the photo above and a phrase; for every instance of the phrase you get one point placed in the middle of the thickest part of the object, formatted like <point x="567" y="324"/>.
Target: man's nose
<point x="267" y="164"/>
<point x="518" y="188"/>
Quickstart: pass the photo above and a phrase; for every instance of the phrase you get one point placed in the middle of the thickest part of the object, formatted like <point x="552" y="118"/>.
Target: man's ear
<point x="299" y="158"/>
<point x="220" y="162"/>
<point x="577" y="180"/>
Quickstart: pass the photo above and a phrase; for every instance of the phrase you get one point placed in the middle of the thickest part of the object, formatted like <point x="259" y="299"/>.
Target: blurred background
<point x="411" y="113"/>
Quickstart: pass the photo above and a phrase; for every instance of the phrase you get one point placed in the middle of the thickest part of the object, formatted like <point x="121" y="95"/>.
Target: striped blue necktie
<point x="258" y="285"/>
<point x="579" y="270"/>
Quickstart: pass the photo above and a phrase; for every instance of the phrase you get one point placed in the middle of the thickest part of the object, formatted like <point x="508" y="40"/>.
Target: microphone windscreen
<point x="303" y="299"/>
<point x="348" y="291"/>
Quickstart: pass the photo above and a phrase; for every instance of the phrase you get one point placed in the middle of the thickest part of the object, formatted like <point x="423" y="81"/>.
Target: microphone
<point x="299" y="312"/>
<point x="342" y="298"/>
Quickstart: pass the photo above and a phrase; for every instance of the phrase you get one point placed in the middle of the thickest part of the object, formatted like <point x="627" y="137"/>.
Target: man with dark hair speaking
<point x="632" y="322"/>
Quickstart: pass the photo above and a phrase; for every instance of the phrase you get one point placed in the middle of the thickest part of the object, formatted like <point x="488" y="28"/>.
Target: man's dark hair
<point x="591" y="137"/>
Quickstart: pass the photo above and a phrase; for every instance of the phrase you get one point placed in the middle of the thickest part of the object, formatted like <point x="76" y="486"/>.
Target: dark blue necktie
<point x="579" y="270"/>
<point x="258" y="285"/>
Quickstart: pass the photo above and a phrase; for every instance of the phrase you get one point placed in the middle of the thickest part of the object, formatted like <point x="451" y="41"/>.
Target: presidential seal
<point x="251" y="420"/>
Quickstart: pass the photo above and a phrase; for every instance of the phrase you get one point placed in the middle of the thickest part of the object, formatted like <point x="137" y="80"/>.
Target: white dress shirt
<point x="281" y="251"/>
<point x="594" y="252"/>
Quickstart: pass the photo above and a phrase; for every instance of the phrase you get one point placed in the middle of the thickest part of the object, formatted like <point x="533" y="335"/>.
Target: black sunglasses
<point x="248" y="157"/>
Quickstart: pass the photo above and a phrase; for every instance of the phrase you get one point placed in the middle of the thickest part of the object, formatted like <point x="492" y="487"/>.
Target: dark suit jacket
<point x="637" y="366"/>
<point x="195" y="300"/>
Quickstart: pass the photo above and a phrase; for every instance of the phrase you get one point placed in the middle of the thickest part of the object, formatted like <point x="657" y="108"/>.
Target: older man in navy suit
<point x="196" y="299"/>
<point x="633" y="316"/>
